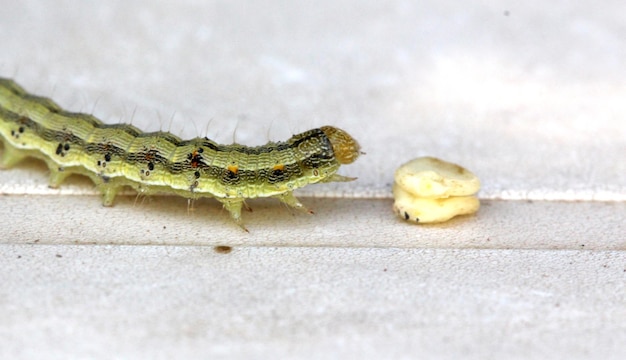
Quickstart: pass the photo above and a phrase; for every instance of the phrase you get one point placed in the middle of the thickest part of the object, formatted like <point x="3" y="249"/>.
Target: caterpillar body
<point x="115" y="156"/>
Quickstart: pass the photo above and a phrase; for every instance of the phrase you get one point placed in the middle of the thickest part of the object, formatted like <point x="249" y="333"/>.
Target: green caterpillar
<point x="120" y="155"/>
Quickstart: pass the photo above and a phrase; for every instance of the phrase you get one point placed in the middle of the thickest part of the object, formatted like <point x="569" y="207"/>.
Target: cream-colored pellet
<point x="430" y="190"/>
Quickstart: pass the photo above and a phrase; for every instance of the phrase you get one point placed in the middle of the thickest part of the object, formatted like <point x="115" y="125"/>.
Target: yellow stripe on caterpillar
<point x="115" y="156"/>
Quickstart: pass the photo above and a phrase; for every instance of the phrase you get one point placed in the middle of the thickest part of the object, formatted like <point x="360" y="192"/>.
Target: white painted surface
<point x="290" y="302"/>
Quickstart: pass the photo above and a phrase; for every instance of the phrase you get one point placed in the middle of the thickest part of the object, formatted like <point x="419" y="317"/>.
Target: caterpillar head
<point x="346" y="149"/>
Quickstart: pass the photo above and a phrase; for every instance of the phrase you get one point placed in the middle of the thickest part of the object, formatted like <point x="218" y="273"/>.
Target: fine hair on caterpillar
<point x="115" y="156"/>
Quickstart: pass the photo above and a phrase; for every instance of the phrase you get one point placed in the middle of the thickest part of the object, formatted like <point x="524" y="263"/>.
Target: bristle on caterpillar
<point x="116" y="156"/>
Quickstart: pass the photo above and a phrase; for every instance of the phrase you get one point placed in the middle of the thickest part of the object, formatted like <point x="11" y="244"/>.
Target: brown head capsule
<point x="346" y="149"/>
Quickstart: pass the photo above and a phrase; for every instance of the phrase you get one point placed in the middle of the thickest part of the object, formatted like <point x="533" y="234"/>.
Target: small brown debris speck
<point x="222" y="249"/>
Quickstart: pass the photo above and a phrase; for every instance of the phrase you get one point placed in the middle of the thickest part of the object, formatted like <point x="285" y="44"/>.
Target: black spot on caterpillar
<point x="119" y="155"/>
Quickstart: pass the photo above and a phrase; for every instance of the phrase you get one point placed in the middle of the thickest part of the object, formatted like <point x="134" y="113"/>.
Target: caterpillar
<point x="116" y="156"/>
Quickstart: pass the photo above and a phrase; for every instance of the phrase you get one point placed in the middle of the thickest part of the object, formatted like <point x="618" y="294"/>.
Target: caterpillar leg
<point x="234" y="208"/>
<point x="338" y="178"/>
<point x="108" y="190"/>
<point x="108" y="194"/>
<point x="57" y="175"/>
<point x="11" y="156"/>
<point x="289" y="199"/>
